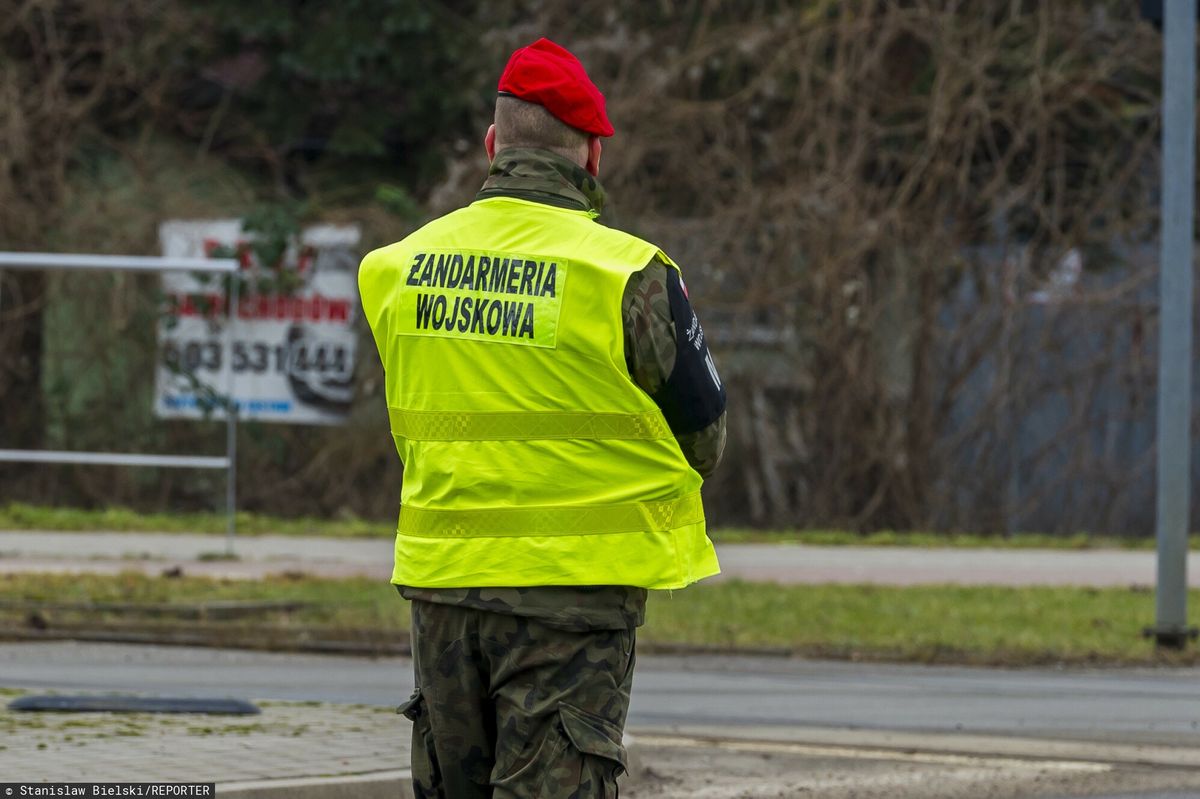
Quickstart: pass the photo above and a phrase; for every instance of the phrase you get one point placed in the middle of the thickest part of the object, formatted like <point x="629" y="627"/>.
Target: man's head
<point x="547" y="101"/>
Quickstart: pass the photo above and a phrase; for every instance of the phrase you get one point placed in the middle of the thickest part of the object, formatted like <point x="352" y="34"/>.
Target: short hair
<point x="522" y="124"/>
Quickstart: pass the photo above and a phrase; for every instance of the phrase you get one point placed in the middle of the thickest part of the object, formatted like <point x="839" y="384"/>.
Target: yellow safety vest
<point x="531" y="457"/>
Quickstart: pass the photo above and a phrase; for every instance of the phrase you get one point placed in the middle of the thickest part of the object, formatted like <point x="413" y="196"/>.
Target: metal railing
<point x="135" y="263"/>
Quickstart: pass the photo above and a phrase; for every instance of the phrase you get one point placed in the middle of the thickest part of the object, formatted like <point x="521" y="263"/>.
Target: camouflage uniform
<point x="523" y="692"/>
<point x="512" y="708"/>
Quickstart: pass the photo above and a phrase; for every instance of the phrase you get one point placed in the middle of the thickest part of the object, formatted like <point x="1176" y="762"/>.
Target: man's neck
<point x="542" y="176"/>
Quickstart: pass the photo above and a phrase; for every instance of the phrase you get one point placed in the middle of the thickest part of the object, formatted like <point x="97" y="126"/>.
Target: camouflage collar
<point x="544" y="177"/>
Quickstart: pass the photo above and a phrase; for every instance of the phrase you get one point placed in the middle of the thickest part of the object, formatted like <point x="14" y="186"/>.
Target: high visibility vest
<point x="530" y="455"/>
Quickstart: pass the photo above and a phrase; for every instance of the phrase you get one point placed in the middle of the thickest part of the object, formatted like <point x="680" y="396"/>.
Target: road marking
<point x="860" y="753"/>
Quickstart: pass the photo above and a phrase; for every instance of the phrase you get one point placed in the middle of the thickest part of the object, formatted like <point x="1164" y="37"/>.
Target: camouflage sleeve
<point x="650" y="353"/>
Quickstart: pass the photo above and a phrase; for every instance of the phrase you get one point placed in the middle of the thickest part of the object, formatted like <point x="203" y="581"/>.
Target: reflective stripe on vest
<point x="590" y="520"/>
<point x="525" y="425"/>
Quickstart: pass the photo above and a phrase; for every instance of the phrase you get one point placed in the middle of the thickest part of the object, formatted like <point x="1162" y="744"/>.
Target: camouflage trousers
<point x="509" y="708"/>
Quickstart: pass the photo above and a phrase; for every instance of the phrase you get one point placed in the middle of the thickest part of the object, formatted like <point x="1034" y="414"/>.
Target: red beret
<point x="550" y="76"/>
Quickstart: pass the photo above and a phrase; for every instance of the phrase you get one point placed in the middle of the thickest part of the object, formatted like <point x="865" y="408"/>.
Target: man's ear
<point x="593" y="161"/>
<point x="489" y="143"/>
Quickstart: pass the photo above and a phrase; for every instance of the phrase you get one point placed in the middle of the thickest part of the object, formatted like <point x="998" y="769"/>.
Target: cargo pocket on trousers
<point x="426" y="776"/>
<point x="598" y="744"/>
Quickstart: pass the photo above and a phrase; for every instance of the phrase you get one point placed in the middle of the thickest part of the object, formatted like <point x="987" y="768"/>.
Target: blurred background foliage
<point x="917" y="231"/>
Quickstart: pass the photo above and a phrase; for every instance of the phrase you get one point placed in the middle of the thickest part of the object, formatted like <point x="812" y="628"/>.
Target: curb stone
<point x="373" y="785"/>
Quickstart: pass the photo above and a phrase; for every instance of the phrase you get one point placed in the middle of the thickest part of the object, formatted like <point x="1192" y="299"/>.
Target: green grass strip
<point x="992" y="625"/>
<point x="932" y="624"/>
<point x="19" y="516"/>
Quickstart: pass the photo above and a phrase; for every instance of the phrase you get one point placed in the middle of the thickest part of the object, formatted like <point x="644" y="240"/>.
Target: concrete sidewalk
<point x="151" y="553"/>
<point x="293" y="749"/>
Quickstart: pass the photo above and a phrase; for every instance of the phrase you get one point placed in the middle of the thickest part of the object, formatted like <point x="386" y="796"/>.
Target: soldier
<point x="552" y="397"/>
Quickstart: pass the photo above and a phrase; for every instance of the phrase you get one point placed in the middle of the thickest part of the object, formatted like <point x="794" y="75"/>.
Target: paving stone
<point x="288" y="741"/>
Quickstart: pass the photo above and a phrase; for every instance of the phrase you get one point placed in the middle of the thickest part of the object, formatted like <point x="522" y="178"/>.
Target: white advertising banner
<point x="293" y="344"/>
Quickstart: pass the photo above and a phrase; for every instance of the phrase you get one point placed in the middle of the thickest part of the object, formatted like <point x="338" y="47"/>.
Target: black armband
<point x="693" y="396"/>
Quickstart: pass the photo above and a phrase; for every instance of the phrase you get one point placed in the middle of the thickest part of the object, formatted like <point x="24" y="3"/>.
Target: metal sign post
<point x="131" y="263"/>
<point x="1175" y="335"/>
<point x="231" y="412"/>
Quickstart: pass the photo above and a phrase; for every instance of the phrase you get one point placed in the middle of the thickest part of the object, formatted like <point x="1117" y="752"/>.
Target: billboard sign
<point x="293" y="346"/>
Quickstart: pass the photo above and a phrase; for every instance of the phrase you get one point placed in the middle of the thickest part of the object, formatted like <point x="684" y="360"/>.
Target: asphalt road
<point x="763" y="694"/>
<point x="32" y="551"/>
<point x="714" y="725"/>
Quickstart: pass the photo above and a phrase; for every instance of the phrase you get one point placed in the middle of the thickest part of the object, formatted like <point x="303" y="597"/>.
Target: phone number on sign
<point x="257" y="357"/>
